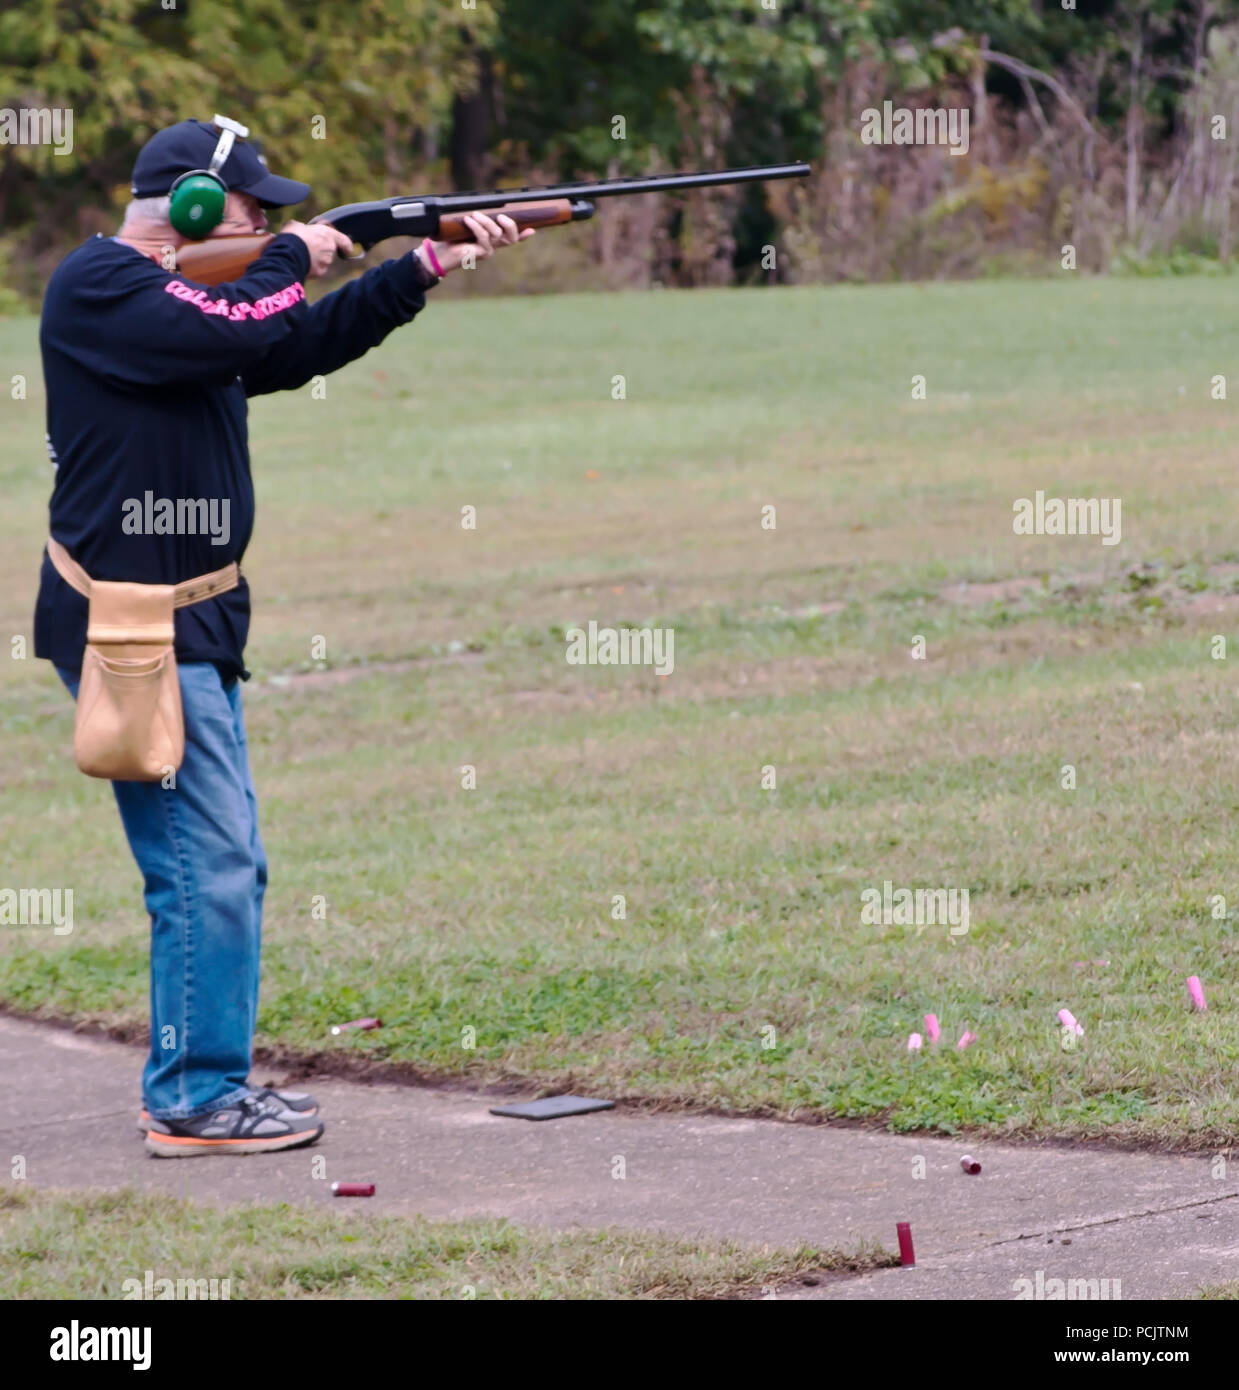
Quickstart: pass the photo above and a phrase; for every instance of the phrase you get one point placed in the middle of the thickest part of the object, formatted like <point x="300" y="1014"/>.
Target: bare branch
<point x="1026" y="73"/>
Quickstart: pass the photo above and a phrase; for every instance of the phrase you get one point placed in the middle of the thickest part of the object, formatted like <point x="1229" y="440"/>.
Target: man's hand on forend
<point x="489" y="233"/>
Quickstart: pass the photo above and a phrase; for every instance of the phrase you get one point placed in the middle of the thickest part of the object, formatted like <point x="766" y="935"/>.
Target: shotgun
<point x="440" y="217"/>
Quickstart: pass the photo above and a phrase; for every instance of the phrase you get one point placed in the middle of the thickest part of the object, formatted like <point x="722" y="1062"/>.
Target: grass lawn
<point x="58" y="1245"/>
<point x="741" y="975"/>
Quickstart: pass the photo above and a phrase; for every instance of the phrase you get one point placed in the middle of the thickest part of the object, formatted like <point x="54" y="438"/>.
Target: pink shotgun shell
<point x="969" y="1164"/>
<point x="914" y="1042"/>
<point x="931" y="1027"/>
<point x="1197" y="993"/>
<point x="357" y="1024"/>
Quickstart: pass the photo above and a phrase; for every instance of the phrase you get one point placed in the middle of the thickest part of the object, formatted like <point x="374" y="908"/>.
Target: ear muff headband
<point x="196" y="199"/>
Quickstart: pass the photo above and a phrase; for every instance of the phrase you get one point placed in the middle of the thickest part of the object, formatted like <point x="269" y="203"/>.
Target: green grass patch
<point x="621" y="903"/>
<point x="100" y="1245"/>
<point x="1220" y="1293"/>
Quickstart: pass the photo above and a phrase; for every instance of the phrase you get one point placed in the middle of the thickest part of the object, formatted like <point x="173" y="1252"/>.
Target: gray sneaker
<point x="257" y="1123"/>
<point x="299" y="1102"/>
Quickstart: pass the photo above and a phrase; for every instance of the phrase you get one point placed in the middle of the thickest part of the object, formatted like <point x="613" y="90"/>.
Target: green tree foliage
<point x="361" y="98"/>
<point x="337" y="92"/>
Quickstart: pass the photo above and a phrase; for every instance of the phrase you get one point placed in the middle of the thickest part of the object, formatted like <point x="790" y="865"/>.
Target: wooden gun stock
<point x="219" y="259"/>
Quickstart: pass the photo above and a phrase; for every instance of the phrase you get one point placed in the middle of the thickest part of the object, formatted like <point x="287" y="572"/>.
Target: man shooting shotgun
<point x="142" y="607"/>
<point x="153" y="341"/>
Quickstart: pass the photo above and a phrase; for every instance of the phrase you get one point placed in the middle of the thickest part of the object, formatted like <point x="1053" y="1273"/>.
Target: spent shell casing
<point x="357" y="1025"/>
<point x="903" y="1229"/>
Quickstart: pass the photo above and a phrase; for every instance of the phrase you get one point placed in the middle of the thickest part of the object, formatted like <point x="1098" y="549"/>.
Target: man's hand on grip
<point x="322" y="241"/>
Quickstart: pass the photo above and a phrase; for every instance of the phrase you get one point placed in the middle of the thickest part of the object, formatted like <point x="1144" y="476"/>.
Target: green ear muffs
<point x="196" y="204"/>
<point x="196" y="200"/>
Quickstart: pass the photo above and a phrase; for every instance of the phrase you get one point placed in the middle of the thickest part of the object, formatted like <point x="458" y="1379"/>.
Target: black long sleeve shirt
<point x="147" y="378"/>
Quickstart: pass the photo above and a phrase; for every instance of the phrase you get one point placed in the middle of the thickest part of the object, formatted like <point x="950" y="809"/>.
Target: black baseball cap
<point x="189" y="145"/>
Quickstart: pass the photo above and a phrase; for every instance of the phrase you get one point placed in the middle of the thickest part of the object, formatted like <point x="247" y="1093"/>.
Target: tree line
<point x="1105" y="126"/>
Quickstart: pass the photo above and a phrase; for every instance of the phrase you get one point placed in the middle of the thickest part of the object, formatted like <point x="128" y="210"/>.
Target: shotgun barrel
<point x="369" y="223"/>
<point x="611" y="188"/>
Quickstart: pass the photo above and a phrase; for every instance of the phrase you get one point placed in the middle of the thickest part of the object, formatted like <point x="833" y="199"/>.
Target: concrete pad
<point x="1167" y="1255"/>
<point x="1161" y="1225"/>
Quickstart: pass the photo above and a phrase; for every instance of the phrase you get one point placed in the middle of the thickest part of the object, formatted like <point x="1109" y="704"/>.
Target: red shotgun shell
<point x="969" y="1164"/>
<point x="362" y="1024"/>
<point x="352" y="1189"/>
<point x="904" y="1231"/>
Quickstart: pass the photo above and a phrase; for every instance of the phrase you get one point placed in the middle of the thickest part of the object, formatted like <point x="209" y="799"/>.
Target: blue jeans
<point x="204" y="872"/>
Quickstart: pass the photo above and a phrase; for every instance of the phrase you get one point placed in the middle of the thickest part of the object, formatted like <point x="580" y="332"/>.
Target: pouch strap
<point x="183" y="594"/>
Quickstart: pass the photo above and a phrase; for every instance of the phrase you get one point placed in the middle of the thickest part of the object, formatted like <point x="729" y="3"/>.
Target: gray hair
<point x="148" y="210"/>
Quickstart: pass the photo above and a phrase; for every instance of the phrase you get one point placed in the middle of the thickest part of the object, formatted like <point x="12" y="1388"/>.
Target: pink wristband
<point x="428" y="247"/>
